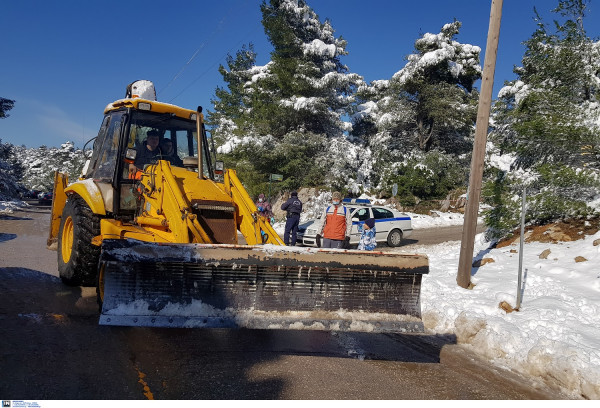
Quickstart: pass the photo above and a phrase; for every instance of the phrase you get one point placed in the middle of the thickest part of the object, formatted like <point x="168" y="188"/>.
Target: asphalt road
<point x="51" y="347"/>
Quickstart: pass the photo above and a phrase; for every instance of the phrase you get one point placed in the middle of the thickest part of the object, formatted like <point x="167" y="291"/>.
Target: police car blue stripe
<point x="384" y="220"/>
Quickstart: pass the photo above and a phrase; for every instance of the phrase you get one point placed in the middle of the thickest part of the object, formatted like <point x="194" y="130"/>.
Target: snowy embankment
<point x="7" y="207"/>
<point x="554" y="337"/>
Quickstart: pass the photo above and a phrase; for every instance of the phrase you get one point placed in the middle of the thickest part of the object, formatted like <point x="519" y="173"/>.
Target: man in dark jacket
<point x="293" y="206"/>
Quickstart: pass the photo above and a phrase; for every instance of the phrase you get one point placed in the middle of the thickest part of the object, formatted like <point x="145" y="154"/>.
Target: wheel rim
<point x="66" y="245"/>
<point x="396" y="238"/>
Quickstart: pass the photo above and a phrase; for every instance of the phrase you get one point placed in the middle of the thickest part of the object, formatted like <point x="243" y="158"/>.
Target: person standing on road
<point x="293" y="208"/>
<point x="264" y="208"/>
<point x="337" y="224"/>
<point x="367" y="235"/>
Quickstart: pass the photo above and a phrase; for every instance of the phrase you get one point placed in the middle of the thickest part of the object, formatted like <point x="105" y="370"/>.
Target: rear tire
<point x="77" y="256"/>
<point x="394" y="239"/>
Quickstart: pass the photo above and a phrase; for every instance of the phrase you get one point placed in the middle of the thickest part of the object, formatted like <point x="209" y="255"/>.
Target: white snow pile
<point x="554" y="337"/>
<point x="7" y="207"/>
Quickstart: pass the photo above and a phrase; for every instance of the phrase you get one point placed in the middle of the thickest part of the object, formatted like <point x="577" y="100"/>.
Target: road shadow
<point x="30" y="291"/>
<point x="409" y="241"/>
<point x="6" y="237"/>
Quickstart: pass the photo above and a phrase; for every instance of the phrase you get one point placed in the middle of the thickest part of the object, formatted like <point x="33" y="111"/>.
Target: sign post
<point x="274" y="177"/>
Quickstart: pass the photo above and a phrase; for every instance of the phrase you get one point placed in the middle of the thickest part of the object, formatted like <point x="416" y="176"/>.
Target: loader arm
<point x="250" y="222"/>
<point x="172" y="203"/>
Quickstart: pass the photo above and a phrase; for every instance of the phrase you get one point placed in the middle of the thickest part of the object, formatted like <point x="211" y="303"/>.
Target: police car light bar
<point x="356" y="201"/>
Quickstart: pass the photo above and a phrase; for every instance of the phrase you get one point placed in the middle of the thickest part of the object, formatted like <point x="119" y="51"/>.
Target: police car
<point x="390" y="226"/>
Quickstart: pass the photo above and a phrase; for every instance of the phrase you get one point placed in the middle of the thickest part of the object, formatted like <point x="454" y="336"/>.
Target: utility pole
<point x="463" y="278"/>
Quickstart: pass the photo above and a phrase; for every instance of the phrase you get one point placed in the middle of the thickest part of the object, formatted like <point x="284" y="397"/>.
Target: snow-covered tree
<point x="39" y="164"/>
<point x="10" y="173"/>
<point x="293" y="107"/>
<point x="5" y="106"/>
<point x="429" y="106"/>
<point x="549" y="121"/>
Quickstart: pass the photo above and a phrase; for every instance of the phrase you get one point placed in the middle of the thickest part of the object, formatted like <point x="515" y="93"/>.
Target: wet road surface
<point x="51" y="347"/>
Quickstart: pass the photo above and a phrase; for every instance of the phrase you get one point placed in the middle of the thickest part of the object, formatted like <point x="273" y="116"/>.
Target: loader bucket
<point x="263" y="287"/>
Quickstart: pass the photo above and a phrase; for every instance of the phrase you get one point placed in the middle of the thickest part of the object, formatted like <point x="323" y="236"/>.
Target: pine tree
<point x="428" y="107"/>
<point x="5" y="106"/>
<point x="548" y="120"/>
<point x="293" y="106"/>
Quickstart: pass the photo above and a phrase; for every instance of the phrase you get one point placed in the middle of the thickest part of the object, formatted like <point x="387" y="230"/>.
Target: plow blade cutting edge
<point x="263" y="287"/>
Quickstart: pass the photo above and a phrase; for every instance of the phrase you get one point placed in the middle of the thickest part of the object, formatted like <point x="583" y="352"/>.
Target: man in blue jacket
<point x="293" y="207"/>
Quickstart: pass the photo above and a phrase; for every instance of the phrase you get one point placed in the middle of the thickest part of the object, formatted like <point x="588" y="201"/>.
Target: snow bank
<point x="555" y="336"/>
<point x="7" y="207"/>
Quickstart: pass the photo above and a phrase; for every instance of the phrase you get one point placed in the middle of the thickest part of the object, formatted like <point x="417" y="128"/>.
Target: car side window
<point x="381" y="213"/>
<point x="361" y="213"/>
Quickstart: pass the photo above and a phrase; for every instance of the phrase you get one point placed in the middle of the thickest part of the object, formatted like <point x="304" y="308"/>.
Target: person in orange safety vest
<point x="337" y="224"/>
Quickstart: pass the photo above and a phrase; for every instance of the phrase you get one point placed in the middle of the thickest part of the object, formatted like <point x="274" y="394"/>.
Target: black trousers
<point x="291" y="226"/>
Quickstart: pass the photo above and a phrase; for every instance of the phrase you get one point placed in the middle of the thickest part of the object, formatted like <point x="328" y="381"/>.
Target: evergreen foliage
<point x="549" y="120"/>
<point x="5" y="106"/>
<point x="39" y="164"/>
<point x="10" y="173"/>
<point x="286" y="117"/>
<point x="430" y="105"/>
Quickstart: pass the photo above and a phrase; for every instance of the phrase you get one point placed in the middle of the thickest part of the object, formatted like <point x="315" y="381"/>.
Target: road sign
<point x="276" y="177"/>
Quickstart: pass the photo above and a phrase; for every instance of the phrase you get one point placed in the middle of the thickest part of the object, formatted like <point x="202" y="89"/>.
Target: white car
<point x="391" y="226"/>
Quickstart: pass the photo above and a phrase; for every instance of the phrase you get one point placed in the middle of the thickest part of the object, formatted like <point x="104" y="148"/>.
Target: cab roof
<point x="150" y="106"/>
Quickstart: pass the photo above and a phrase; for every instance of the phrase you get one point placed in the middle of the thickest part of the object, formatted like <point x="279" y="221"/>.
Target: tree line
<point x="306" y="116"/>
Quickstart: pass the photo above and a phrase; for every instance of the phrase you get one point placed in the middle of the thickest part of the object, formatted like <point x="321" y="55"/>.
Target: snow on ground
<point x="441" y="219"/>
<point x="7" y="207"/>
<point x="554" y="337"/>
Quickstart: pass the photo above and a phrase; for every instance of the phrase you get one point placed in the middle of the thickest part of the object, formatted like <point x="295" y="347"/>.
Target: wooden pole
<point x="463" y="277"/>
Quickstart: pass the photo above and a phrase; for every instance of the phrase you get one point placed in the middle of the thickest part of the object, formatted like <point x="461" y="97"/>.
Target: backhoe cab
<point x="155" y="229"/>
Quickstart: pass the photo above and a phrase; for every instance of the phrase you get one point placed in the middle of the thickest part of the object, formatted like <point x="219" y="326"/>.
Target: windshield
<point x="164" y="136"/>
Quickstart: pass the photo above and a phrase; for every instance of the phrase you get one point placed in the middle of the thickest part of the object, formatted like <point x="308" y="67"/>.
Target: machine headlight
<point x="144" y="106"/>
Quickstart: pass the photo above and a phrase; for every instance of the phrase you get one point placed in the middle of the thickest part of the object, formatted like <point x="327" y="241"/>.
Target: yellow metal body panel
<point x="155" y="106"/>
<point x="114" y="229"/>
<point x="90" y="193"/>
<point x="59" y="198"/>
<point x="169" y="196"/>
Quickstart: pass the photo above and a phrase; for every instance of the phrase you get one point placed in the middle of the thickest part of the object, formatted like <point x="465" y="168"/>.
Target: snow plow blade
<point x="260" y="287"/>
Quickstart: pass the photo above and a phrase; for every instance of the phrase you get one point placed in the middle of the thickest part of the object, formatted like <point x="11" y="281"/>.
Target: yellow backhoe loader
<point x="156" y="231"/>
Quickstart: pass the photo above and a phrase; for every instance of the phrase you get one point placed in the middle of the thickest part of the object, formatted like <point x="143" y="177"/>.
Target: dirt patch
<point x="563" y="231"/>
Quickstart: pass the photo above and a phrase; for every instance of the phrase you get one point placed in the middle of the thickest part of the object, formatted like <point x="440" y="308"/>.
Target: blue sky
<point x="64" y="61"/>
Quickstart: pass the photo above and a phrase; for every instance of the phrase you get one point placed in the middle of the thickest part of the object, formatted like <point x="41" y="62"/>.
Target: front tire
<point x="394" y="239"/>
<point x="77" y="256"/>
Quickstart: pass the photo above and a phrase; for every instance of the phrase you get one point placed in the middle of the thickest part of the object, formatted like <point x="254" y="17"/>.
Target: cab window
<point x="104" y="160"/>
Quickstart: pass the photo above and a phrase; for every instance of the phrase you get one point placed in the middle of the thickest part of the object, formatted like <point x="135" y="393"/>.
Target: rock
<point x="513" y="251"/>
<point x="434" y="214"/>
<point x="544" y="254"/>
<point x="580" y="259"/>
<point x="482" y="262"/>
<point x="446" y="204"/>
<point x="596" y="242"/>
<point x="506" y="307"/>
